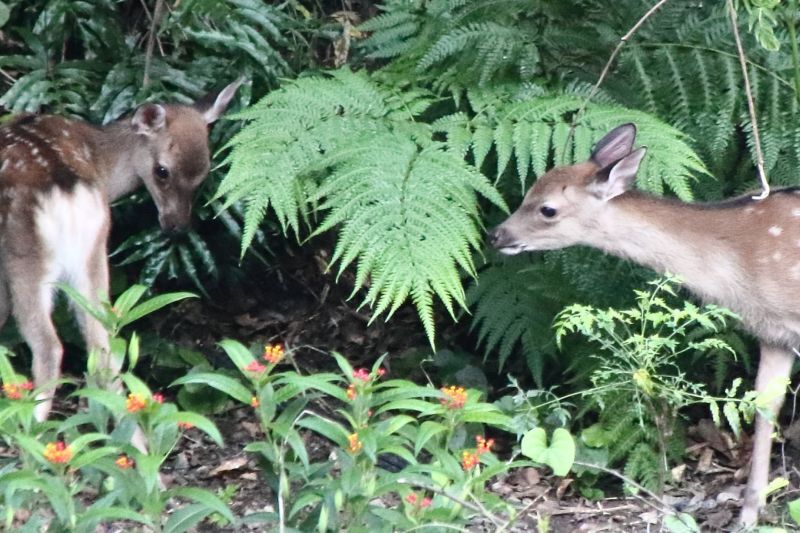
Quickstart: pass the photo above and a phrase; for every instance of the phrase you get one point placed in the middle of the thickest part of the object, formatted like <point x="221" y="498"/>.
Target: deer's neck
<point x="674" y="237"/>
<point x="119" y="152"/>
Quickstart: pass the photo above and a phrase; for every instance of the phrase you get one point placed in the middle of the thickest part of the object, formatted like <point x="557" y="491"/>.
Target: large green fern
<point x="538" y="133"/>
<point x="405" y="207"/>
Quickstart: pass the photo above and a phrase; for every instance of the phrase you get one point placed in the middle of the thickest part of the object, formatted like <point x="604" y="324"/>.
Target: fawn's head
<point x="175" y="159"/>
<point x="567" y="202"/>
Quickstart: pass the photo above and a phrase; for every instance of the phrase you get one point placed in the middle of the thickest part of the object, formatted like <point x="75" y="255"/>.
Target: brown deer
<point x="743" y="254"/>
<point x="57" y="178"/>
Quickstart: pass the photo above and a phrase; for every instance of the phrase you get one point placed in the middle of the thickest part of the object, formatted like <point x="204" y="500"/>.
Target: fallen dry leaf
<point x="235" y="463"/>
<point x="704" y="463"/>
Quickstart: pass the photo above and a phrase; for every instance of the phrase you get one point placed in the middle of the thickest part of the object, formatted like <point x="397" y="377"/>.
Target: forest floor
<point x="314" y="318"/>
<point x="301" y="306"/>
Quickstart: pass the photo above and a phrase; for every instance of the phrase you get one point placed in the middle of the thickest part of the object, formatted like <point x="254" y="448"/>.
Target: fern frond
<point x="407" y="220"/>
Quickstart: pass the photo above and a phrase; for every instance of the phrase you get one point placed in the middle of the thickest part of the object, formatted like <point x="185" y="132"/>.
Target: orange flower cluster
<point x="135" y="403"/>
<point x="254" y="401"/>
<point x="13" y="391"/>
<point x="185" y="425"/>
<point x="124" y="462"/>
<point x="351" y="392"/>
<point x="484" y="445"/>
<point x="469" y="460"/>
<point x="412" y="498"/>
<point x="57" y="452"/>
<point x="454" y="397"/>
<point x="355" y="445"/>
<point x="273" y="353"/>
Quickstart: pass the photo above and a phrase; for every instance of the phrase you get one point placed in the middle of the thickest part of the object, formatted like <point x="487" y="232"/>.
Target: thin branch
<point x="762" y="175"/>
<point x="661" y="506"/>
<point x="158" y="12"/>
<point x="623" y="40"/>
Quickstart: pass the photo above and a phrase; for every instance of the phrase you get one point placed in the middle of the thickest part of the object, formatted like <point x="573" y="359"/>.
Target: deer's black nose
<point x="496" y="236"/>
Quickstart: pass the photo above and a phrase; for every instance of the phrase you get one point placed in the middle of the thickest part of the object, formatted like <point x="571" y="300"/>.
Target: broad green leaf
<point x="559" y="455"/>
<point x="238" y="353"/>
<point x="206" y="498"/>
<point x="229" y="386"/>
<point x="681" y="523"/>
<point x="199" y="421"/>
<point x="109" y="514"/>
<point x="152" y="305"/>
<point x="794" y="510"/>
<point x="186" y="518"/>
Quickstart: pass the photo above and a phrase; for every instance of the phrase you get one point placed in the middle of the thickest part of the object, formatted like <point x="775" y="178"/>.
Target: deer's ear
<point x="149" y="118"/>
<point x="615" y="180"/>
<point x="213" y="106"/>
<point x="614" y="146"/>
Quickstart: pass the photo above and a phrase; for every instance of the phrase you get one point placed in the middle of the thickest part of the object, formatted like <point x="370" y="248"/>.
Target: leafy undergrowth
<point x="316" y="443"/>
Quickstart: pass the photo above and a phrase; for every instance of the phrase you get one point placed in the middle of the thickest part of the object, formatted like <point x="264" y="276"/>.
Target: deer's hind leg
<point x="30" y="284"/>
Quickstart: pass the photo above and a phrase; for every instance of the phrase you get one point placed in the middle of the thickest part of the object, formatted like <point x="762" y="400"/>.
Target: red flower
<point x="255" y="367"/>
<point x="362" y="374"/>
<point x="426" y="502"/>
<point x="412" y="498"/>
<point x="158" y="397"/>
<point x="185" y="425"/>
<point x="254" y="401"/>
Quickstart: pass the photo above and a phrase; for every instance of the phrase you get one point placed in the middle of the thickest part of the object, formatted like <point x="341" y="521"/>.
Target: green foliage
<point x="408" y="220"/>
<point x="639" y="381"/>
<point x="459" y="43"/>
<point x="425" y="428"/>
<point x="57" y="462"/>
<point x="88" y="59"/>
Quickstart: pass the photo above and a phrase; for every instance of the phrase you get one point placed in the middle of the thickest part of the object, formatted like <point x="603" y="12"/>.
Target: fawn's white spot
<point x="775" y="230"/>
<point x="777" y="256"/>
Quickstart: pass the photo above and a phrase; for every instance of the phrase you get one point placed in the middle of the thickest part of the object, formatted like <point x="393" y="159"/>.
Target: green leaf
<point x="206" y="498"/>
<point x="94" y="516"/>
<point x="229" y="386"/>
<point x="238" y="353"/>
<point x="5" y="13"/>
<point x="152" y="305"/>
<point x="794" y="510"/>
<point x="681" y="523"/>
<point x="199" y="421"/>
<point x="327" y="428"/>
<point x="559" y="455"/>
<point x="186" y="518"/>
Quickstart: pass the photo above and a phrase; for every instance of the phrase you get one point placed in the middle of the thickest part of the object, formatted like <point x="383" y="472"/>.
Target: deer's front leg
<point x="774" y="369"/>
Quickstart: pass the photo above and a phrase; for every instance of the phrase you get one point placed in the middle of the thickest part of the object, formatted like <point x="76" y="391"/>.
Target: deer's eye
<point x="547" y="211"/>
<point x="161" y="172"/>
